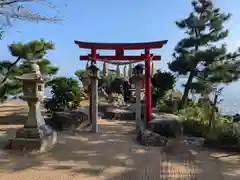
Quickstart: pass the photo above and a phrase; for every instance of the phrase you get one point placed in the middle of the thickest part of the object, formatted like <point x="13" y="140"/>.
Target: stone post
<point x="35" y="118"/>
<point x="138" y="108"/>
<point x="94" y="97"/>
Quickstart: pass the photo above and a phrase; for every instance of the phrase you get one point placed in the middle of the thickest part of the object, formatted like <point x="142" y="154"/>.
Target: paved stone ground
<point x="112" y="154"/>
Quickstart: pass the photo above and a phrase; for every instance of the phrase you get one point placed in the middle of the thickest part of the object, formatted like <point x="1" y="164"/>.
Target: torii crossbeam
<point x="119" y="55"/>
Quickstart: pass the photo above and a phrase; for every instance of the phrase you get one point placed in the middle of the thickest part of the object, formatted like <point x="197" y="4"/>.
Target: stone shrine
<point x="35" y="135"/>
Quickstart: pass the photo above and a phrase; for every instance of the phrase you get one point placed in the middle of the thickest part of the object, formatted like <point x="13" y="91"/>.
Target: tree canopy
<point x="64" y="91"/>
<point x="162" y="82"/>
<point x="204" y="28"/>
<point x="31" y="51"/>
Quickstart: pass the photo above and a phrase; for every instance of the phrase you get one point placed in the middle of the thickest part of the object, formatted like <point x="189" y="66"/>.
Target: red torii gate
<point x="119" y="55"/>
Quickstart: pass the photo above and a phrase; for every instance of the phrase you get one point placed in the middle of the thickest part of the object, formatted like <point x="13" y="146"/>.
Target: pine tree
<point x="34" y="50"/>
<point x="204" y="29"/>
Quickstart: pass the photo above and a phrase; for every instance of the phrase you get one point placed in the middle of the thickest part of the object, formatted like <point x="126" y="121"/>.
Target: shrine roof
<point x="126" y="46"/>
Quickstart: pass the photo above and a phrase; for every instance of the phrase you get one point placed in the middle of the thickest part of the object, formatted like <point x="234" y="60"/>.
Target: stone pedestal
<point x="35" y="135"/>
<point x="35" y="138"/>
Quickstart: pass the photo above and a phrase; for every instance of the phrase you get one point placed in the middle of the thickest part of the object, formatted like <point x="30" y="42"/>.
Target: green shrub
<point x="66" y="94"/>
<point x="167" y="105"/>
<point x="162" y="82"/>
<point x="194" y="128"/>
<point x="195" y="122"/>
<point x="193" y="113"/>
<point x="224" y="139"/>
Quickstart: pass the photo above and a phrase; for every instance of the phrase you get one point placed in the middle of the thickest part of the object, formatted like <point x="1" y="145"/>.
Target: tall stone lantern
<point x="35" y="135"/>
<point x="93" y="115"/>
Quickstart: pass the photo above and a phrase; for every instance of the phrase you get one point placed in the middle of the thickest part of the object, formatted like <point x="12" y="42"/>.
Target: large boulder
<point x="167" y="125"/>
<point x="67" y="120"/>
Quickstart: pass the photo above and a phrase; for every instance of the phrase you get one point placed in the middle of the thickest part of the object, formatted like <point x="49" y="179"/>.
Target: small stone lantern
<point x="35" y="135"/>
<point x="93" y="109"/>
<point x="93" y="71"/>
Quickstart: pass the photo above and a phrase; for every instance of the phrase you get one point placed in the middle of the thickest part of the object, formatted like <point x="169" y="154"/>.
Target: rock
<point x="119" y="113"/>
<point x="149" y="138"/>
<point x="166" y="125"/>
<point x="67" y="120"/>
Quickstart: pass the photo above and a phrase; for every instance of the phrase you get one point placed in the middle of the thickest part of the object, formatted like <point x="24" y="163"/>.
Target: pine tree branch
<point x="9" y="69"/>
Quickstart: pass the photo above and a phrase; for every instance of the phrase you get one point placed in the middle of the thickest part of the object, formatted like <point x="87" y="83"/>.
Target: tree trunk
<point x="187" y="90"/>
<point x="191" y="76"/>
<point x="213" y="112"/>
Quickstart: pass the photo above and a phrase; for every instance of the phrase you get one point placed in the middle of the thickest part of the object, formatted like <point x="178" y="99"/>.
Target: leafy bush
<point x="168" y="105"/>
<point x="195" y="121"/>
<point x="66" y="94"/>
<point x="223" y="133"/>
<point x="162" y="82"/>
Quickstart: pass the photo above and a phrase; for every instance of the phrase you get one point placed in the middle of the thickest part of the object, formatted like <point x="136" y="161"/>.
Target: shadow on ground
<point x="114" y="155"/>
<point x="13" y="119"/>
<point x="93" y="155"/>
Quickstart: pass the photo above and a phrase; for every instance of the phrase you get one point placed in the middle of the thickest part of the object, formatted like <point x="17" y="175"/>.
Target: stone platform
<point x="39" y="139"/>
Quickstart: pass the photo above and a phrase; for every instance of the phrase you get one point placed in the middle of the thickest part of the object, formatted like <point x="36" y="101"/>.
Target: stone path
<point x="113" y="155"/>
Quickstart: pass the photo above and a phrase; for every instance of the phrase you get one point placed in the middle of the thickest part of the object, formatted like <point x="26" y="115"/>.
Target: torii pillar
<point x="119" y="56"/>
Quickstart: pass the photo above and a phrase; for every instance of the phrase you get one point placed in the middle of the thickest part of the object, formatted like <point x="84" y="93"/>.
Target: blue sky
<point x="113" y="21"/>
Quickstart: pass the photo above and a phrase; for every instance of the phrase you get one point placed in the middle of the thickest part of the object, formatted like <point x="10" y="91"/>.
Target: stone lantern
<point x="93" y="109"/>
<point x="93" y="71"/>
<point x="35" y="135"/>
